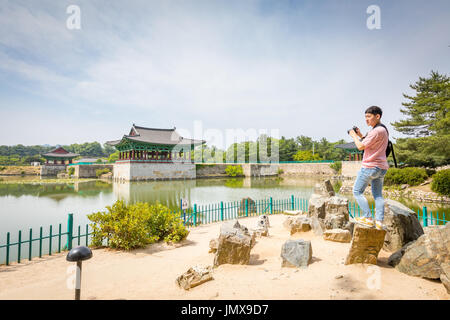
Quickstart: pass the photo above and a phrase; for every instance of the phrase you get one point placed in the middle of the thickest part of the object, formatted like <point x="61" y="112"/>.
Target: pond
<point x="24" y="205"/>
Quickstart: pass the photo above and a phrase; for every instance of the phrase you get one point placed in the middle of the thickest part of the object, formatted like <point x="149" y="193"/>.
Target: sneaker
<point x="365" y="221"/>
<point x="379" y="225"/>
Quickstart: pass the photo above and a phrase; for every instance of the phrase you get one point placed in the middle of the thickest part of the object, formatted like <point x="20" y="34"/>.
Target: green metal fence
<point x="194" y="216"/>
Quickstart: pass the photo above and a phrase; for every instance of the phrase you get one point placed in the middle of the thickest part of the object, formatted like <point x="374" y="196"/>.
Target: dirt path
<point x="150" y="273"/>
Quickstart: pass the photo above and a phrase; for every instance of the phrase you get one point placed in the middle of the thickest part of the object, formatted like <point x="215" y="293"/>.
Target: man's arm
<point x="358" y="143"/>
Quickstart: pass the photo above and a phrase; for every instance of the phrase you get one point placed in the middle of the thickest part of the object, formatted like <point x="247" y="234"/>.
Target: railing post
<point x="19" y="244"/>
<point x="425" y="217"/>
<point x="246" y="207"/>
<point x="271" y="205"/>
<point x="221" y="210"/>
<point x="195" y="214"/>
<point x="7" y="249"/>
<point x="69" y="231"/>
<point x="292" y="202"/>
<point x="30" y="248"/>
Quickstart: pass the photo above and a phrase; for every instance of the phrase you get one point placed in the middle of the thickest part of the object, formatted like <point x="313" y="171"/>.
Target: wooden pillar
<point x="157" y="155"/>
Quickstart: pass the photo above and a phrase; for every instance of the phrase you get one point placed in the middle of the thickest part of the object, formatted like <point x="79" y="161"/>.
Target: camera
<point x="354" y="128"/>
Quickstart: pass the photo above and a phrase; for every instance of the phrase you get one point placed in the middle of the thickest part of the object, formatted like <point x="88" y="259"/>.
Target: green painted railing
<point x="194" y="216"/>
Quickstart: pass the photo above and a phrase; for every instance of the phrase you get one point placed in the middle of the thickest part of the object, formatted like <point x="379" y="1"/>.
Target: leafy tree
<point x="306" y="155"/>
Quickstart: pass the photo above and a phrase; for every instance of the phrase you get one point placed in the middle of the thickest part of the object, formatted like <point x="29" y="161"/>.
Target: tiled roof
<point x="158" y="136"/>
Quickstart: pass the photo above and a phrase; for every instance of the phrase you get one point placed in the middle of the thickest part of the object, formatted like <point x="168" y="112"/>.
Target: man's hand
<point x="355" y="137"/>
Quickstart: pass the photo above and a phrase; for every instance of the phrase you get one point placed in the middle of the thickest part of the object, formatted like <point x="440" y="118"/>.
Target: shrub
<point x="71" y="171"/>
<point x="135" y="226"/>
<point x="22" y="172"/>
<point x="280" y="171"/>
<point x="336" y="166"/>
<point x="441" y="182"/>
<point x="411" y="176"/>
<point x="99" y="172"/>
<point x="2" y="168"/>
<point x="337" y="186"/>
<point x="234" y="171"/>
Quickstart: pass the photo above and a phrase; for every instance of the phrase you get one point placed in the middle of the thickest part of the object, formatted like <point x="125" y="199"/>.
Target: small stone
<point x="194" y="276"/>
<point x="339" y="276"/>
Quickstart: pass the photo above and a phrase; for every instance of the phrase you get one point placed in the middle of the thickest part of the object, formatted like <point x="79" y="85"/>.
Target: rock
<point x="337" y="235"/>
<point x="62" y="175"/>
<point x="365" y="246"/>
<point x="234" y="244"/>
<point x="251" y="207"/>
<point x="194" y="276"/>
<point x="325" y="188"/>
<point x="213" y="244"/>
<point x="292" y="212"/>
<point x="445" y="276"/>
<point x="296" y="253"/>
<point x="429" y="255"/>
<point x="394" y="258"/>
<point x="263" y="221"/>
<point x="297" y="224"/>
<point x="349" y="226"/>
<point x="336" y="212"/>
<point x="404" y="186"/>
<point x="316" y="206"/>
<point x="401" y="224"/>
<point x="317" y="226"/>
<point x="107" y="175"/>
<point x="339" y="276"/>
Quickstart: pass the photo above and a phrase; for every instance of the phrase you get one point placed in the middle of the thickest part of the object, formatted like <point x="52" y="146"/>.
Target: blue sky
<point x="299" y="67"/>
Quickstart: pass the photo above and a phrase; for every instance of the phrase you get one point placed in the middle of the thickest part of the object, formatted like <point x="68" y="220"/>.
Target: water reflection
<point x="56" y="191"/>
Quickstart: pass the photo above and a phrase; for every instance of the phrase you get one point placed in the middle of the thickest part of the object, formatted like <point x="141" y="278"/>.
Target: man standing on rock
<point x="374" y="166"/>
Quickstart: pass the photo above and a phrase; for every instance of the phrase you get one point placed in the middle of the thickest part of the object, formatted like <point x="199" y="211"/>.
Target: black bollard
<point x="77" y="255"/>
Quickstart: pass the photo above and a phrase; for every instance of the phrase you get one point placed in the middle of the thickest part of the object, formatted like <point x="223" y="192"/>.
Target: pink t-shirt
<point x="375" y="144"/>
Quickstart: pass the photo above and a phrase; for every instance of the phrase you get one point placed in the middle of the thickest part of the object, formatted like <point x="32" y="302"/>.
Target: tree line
<point x="24" y="155"/>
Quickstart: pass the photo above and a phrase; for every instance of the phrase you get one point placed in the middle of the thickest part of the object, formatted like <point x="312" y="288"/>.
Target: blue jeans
<point x="376" y="176"/>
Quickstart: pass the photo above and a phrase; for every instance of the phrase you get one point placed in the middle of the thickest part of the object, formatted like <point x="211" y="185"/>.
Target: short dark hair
<point x="374" y="110"/>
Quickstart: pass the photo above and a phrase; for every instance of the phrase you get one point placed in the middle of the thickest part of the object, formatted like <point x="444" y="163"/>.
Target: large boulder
<point x="297" y="224"/>
<point x="365" y="246"/>
<point x="317" y="225"/>
<point x="296" y="253"/>
<point x="428" y="256"/>
<point x="234" y="244"/>
<point x="337" y="235"/>
<point x="316" y="206"/>
<point x="325" y="189"/>
<point x="195" y="276"/>
<point x="445" y="276"/>
<point x="401" y="224"/>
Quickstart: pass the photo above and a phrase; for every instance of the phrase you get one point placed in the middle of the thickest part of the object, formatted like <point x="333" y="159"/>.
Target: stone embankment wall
<point x="350" y="168"/>
<point x="249" y="169"/>
<point x="307" y="169"/>
<point x="52" y="170"/>
<point x="142" y="171"/>
<point x="88" y="170"/>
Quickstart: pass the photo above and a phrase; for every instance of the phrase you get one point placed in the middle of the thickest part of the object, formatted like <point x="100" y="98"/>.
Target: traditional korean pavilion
<point x="353" y="153"/>
<point x="60" y="155"/>
<point x="154" y="145"/>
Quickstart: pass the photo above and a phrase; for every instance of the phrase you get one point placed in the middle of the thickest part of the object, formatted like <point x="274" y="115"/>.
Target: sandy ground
<point x="150" y="273"/>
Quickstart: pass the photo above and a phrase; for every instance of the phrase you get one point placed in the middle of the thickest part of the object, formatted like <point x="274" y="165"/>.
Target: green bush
<point x="71" y="171"/>
<point x="441" y="182"/>
<point x="2" y="168"/>
<point x="234" y="171"/>
<point x="280" y="171"/>
<point x="135" y="226"/>
<point x="411" y="176"/>
<point x="337" y="166"/>
<point x="99" y="172"/>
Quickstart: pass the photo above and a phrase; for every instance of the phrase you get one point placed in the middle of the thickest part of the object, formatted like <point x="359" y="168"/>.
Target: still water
<point x="24" y="205"/>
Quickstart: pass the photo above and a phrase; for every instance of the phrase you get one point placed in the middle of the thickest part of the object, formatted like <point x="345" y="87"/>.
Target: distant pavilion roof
<point x="156" y="136"/>
<point x="60" y="152"/>
<point x="351" y="147"/>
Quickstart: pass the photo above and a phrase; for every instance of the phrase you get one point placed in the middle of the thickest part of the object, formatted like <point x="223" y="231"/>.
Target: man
<point x="374" y="167"/>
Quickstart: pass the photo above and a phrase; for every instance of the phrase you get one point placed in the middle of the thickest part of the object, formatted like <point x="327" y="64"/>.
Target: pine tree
<point x="427" y="111"/>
